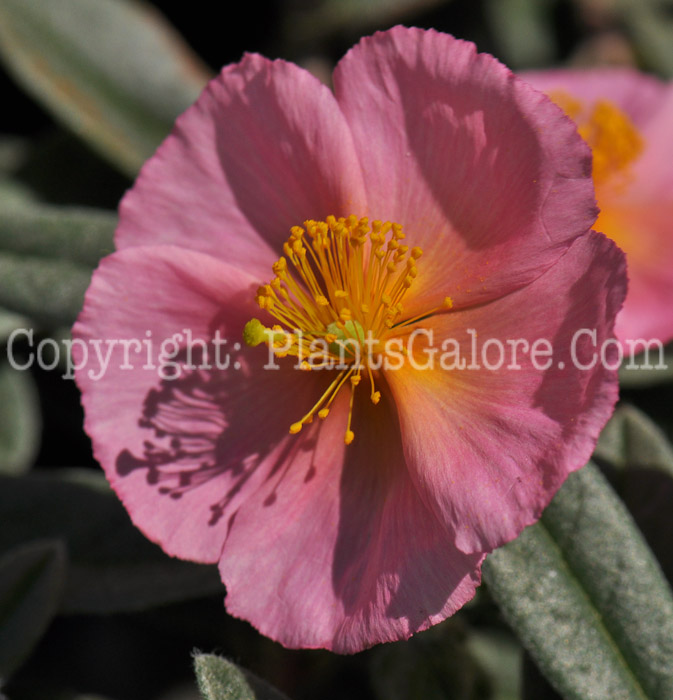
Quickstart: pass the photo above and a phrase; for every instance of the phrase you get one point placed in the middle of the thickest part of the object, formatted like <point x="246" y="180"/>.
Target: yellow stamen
<point x="615" y="141"/>
<point x="337" y="294"/>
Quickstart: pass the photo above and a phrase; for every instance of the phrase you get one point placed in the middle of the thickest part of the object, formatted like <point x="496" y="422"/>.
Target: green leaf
<point x="651" y="29"/>
<point x="13" y="193"/>
<point x="647" y="369"/>
<point x="587" y="598"/>
<point x="20" y="422"/>
<point x="49" y="291"/>
<point x="31" y="582"/>
<point x="631" y="440"/>
<point x="46" y="257"/>
<point x="219" y="679"/>
<point x="434" y="665"/>
<point x="310" y="22"/>
<point x="523" y="31"/>
<point x="114" y="568"/>
<point x="13" y="152"/>
<point x="114" y="71"/>
<point x="9" y="322"/>
<point x="639" y="458"/>
<point x="501" y="657"/>
<point x="79" y="235"/>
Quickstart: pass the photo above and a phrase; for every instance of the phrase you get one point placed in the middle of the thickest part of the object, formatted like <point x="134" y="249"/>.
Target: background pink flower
<point x="323" y="544"/>
<point x="627" y="118"/>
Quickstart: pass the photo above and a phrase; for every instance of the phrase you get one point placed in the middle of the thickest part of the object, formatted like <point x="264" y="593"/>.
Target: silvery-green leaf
<point x="587" y="598"/>
<point x="77" y="234"/>
<point x="20" y="421"/>
<point x="433" y="665"/>
<point x="219" y="679"/>
<point x="631" y="440"/>
<point x="639" y="457"/>
<point x="49" y="291"/>
<point x="501" y="657"/>
<point x="9" y="322"/>
<point x="13" y="193"/>
<point x="312" y="21"/>
<point x="523" y="31"/>
<point x="647" y="368"/>
<point x="114" y="71"/>
<point x="651" y="30"/>
<point x="46" y="257"/>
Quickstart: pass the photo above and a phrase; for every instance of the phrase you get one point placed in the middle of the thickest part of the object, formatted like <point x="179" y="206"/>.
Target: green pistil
<point x="352" y="331"/>
<point x="255" y="332"/>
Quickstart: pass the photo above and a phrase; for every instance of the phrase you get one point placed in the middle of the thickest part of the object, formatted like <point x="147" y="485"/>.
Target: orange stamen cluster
<point x="615" y="141"/>
<point x="337" y="294"/>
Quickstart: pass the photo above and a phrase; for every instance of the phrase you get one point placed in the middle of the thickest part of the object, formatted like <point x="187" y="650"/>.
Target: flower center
<point x="337" y="294"/>
<point x="615" y="141"/>
<point x="616" y="144"/>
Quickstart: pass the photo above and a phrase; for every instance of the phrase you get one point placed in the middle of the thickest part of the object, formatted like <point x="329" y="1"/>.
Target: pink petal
<point x="491" y="448"/>
<point x="484" y="173"/>
<point x="351" y="556"/>
<point x="649" y="104"/>
<point x="639" y="95"/>
<point x="648" y="311"/>
<point x="181" y="453"/>
<point x="653" y="173"/>
<point x="264" y="148"/>
<point x="319" y="544"/>
<point x="337" y="550"/>
<point x="639" y="215"/>
<point x="206" y="468"/>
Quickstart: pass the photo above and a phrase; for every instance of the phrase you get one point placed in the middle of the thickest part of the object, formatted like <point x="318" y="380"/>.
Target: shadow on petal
<point x="217" y="422"/>
<point x="395" y="564"/>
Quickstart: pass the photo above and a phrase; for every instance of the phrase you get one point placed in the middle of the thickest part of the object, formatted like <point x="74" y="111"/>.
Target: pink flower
<point x="370" y="523"/>
<point x="627" y="119"/>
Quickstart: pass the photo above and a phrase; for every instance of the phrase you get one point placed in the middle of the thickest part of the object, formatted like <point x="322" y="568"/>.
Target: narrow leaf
<point x="501" y="656"/>
<point x="587" y="598"/>
<point x="48" y="291"/>
<point x="219" y="679"/>
<point x="651" y="29"/>
<point x="65" y="233"/>
<point x="631" y="440"/>
<point x="114" y="71"/>
<point x="639" y="458"/>
<point x="523" y="31"/>
<point x="113" y="567"/>
<point x="13" y="193"/>
<point x="19" y="420"/>
<point x="9" y="322"/>
<point x="31" y="582"/>
<point x="654" y="366"/>
<point x="13" y="151"/>
<point x="311" y="21"/>
<point x="434" y="665"/>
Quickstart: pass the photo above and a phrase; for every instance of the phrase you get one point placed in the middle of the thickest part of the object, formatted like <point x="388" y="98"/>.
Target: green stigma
<point x="352" y="330"/>
<point x="255" y="332"/>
